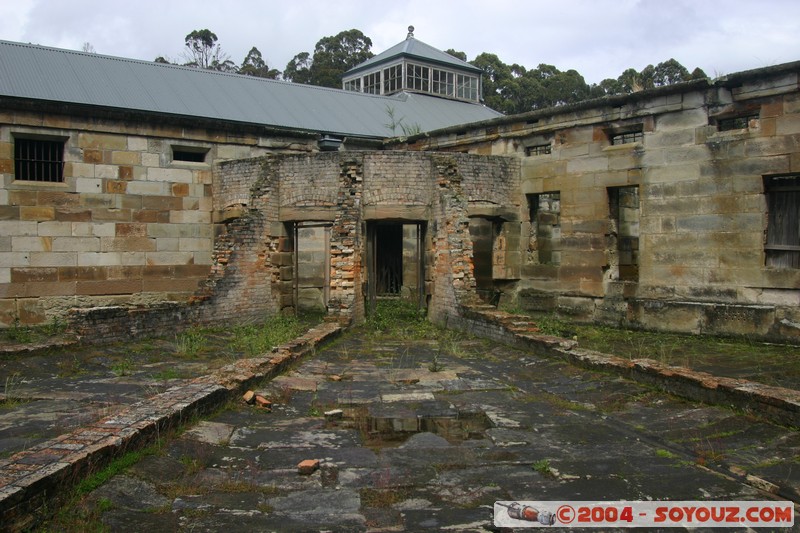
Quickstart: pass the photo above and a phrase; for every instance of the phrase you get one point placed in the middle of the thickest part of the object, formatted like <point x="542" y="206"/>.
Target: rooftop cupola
<point x="414" y="66"/>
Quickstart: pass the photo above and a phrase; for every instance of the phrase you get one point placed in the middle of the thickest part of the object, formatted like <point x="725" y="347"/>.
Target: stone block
<point x="116" y="187"/>
<point x="149" y="189"/>
<point x="108" y="287"/>
<point x="95" y="229"/>
<point x="169" y="258"/>
<point x="122" y="157"/>
<point x="98" y="141"/>
<point x="38" y="213"/>
<point x="174" y="175"/>
<point x="88" y="185"/>
<point x="9" y="212"/>
<point x="127" y="244"/>
<point x="14" y="259"/>
<point x="162" y="203"/>
<point x="190" y="217"/>
<point x="28" y="275"/>
<point x="31" y="244"/>
<point x="76" y="244"/>
<point x="194" y="245"/>
<point x="71" y="214"/>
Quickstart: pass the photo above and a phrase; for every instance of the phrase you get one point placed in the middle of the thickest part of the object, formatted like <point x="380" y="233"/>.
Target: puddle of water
<point x="393" y="430"/>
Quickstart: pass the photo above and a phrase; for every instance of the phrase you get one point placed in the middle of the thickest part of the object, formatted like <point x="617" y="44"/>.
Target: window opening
<point x="782" y="246"/>
<point x="627" y="137"/>
<point x="39" y="160"/>
<point x="539" y="149"/>
<point x="353" y="85"/>
<point x="189" y="154"/>
<point x="372" y="83"/>
<point x="737" y="123"/>
<point x="443" y="82"/>
<point x="467" y="87"/>
<point x="481" y="232"/>
<point x="392" y="79"/>
<point x="544" y="243"/>
<point x="624" y="239"/>
<point x="417" y="78"/>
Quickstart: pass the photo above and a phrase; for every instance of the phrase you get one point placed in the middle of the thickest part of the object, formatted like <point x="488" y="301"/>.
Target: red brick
<point x="308" y="466"/>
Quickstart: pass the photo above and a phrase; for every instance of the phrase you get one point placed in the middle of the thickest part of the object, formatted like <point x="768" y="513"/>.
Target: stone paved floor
<point x="431" y="439"/>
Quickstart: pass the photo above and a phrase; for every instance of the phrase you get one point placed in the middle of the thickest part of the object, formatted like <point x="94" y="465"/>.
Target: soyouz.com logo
<point x="643" y="514"/>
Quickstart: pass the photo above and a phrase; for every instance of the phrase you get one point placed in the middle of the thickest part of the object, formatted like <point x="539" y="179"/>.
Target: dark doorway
<point x="481" y="231"/>
<point x="388" y="259"/>
<point x="395" y="261"/>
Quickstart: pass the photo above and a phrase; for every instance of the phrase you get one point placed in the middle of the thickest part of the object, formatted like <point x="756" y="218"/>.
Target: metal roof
<point x="415" y="49"/>
<point x="56" y="75"/>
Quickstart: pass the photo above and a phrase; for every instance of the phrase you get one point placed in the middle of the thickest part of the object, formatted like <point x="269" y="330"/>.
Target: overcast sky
<point x="598" y="38"/>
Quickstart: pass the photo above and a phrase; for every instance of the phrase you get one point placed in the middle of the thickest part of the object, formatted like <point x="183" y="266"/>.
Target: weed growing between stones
<point x="19" y="333"/>
<point x="11" y="396"/>
<point x="397" y="317"/>
<point x="258" y="339"/>
<point x="190" y="342"/>
<point x="122" y="367"/>
<point x="543" y="467"/>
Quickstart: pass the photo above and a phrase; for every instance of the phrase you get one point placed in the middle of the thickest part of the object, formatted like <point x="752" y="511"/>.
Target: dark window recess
<point x="624" y="238"/>
<point x="38" y="160"/>
<point x="627" y="137"/>
<point x="191" y="156"/>
<point x="736" y="123"/>
<point x="539" y="149"/>
<point x="544" y="242"/>
<point x="782" y="246"/>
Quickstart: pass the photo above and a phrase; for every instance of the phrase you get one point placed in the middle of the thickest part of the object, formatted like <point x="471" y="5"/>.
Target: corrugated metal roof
<point x="51" y="74"/>
<point x="414" y="48"/>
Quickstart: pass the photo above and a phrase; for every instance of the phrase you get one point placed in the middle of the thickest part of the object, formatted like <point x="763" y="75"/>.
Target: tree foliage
<point x="254" y="65"/>
<point x="507" y="88"/>
<point x="514" y="89"/>
<point x="202" y="50"/>
<point x="333" y="56"/>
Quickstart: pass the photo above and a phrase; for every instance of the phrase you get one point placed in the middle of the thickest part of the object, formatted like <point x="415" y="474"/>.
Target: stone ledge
<point x="778" y="404"/>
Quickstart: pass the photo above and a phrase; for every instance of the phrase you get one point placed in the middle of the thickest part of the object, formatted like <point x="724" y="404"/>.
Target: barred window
<point x="392" y="79"/>
<point x="39" y="160"/>
<point x="539" y="149"/>
<point x="737" y="123"/>
<point x="627" y="137"/>
<point x="417" y="78"/>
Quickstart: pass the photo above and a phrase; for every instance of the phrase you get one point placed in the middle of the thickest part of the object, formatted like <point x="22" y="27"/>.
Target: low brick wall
<point x="32" y="481"/>
<point x="778" y="404"/>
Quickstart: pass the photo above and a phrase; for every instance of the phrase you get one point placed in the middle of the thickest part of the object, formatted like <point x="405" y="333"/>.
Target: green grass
<point x="542" y="466"/>
<point x="398" y="317"/>
<point x="257" y="339"/>
<point x="190" y="342"/>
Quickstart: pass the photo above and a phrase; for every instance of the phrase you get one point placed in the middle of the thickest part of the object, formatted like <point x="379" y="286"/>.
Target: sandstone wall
<point x="129" y="225"/>
<point x="661" y="208"/>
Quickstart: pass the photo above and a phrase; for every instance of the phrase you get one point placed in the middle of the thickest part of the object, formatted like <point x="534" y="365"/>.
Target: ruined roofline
<point x="729" y="81"/>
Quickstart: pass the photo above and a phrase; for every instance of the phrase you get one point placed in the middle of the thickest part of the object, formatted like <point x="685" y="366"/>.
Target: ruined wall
<point x="345" y="192"/>
<point x="653" y="210"/>
<point x="131" y="222"/>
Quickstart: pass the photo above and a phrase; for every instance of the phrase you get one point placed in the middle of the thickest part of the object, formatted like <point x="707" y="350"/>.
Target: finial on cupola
<point x="410" y="32"/>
